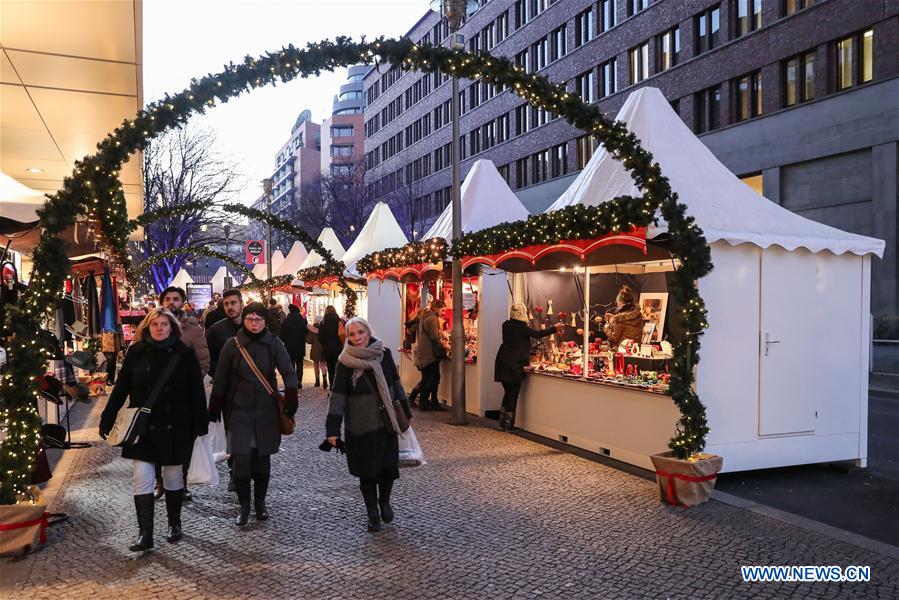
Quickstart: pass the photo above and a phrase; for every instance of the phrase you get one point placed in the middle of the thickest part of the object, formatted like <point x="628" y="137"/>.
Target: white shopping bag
<point x="410" y="451"/>
<point x="202" y="469"/>
<point x="218" y="441"/>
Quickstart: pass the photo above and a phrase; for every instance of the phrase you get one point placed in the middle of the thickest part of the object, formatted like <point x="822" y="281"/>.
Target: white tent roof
<point x="17" y="201"/>
<point x="294" y="259"/>
<point x="328" y="239"/>
<point x="182" y="278"/>
<point x="218" y="279"/>
<point x="277" y="260"/>
<point x="723" y="206"/>
<point x="261" y="269"/>
<point x="486" y="201"/>
<point x="380" y="231"/>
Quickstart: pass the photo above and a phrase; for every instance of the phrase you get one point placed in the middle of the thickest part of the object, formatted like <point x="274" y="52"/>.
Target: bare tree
<point x="183" y="167"/>
<point x="405" y="202"/>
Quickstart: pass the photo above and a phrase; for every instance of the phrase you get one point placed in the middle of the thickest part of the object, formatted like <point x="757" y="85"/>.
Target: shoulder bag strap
<point x="160" y="383"/>
<point x="255" y="369"/>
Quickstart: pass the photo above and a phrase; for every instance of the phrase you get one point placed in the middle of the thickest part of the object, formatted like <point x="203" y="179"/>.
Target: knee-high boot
<point x="242" y="486"/>
<point x="370" y="495"/>
<point x="385" y="486"/>
<point x="260" y="489"/>
<point x="173" y="499"/>
<point x="143" y="505"/>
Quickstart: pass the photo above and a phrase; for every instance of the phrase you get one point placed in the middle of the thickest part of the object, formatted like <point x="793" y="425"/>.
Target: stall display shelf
<point x="607" y="381"/>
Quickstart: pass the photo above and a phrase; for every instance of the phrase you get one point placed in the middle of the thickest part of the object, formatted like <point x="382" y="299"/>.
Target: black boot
<point x="143" y="505"/>
<point x="509" y="424"/>
<point x="242" y="486"/>
<point x="260" y="489"/>
<point x="503" y="417"/>
<point x="317" y="382"/>
<point x="384" y="488"/>
<point x="173" y="511"/>
<point x="370" y="495"/>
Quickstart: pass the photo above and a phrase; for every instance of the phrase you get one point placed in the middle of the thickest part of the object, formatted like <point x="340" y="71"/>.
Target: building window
<point x="855" y="60"/>
<point x="558" y="43"/>
<point x="502" y="27"/>
<point x="707" y="26"/>
<point x="755" y="182"/>
<point x="540" y="166"/>
<point x="586" y="144"/>
<point x="794" y="6"/>
<point x="748" y="15"/>
<point x="521" y="173"/>
<point x="351" y="95"/>
<point x="341" y="150"/>
<point x="522" y="15"/>
<point x="748" y="96"/>
<point x="867" y="58"/>
<point x="502" y="128"/>
<point x="522" y="119"/>
<point x="669" y="49"/>
<point x="799" y="79"/>
<point x="638" y="63"/>
<point x="342" y="131"/>
<point x="488" y="135"/>
<point x="707" y="109"/>
<point x="583" y="85"/>
<point x="540" y="54"/>
<point x="504" y="173"/>
<point x="341" y="170"/>
<point x="606" y="15"/>
<point x="635" y="6"/>
<point x="608" y="78"/>
<point x="559" y="158"/>
<point x="844" y="63"/>
<point x="583" y="28"/>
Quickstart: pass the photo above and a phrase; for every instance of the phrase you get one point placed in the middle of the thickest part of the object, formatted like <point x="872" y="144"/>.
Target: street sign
<point x="255" y="252"/>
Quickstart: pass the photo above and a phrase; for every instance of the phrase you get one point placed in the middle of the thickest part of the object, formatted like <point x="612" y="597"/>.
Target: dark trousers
<point x="111" y="358"/>
<point x="298" y="365"/>
<point x="430" y="380"/>
<point x="332" y="366"/>
<point x="510" y="395"/>
<point x="251" y="465"/>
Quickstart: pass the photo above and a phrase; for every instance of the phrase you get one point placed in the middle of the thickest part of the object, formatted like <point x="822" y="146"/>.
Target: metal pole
<point x="267" y="191"/>
<point x="457" y="360"/>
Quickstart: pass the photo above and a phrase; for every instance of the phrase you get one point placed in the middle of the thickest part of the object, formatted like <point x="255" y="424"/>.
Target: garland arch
<point x="94" y="190"/>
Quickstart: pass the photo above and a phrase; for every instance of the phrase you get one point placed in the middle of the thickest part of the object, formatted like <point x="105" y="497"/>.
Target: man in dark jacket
<point x="513" y="356"/>
<point x="293" y="334"/>
<point x="276" y="317"/>
<point x="426" y="359"/>
<point x="215" y="315"/>
<point x="225" y="329"/>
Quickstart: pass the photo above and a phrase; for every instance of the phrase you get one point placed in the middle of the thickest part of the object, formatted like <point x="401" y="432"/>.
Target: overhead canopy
<point x="380" y="231"/>
<point x="486" y="201"/>
<point x="723" y="206"/>
<point x="328" y="239"/>
<point x="293" y="260"/>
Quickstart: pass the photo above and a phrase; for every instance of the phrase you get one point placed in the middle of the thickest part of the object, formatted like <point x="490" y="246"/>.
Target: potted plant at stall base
<point x="23" y="517"/>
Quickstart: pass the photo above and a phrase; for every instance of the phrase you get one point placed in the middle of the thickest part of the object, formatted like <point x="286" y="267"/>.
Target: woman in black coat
<point x="511" y="359"/>
<point x="366" y="374"/>
<point x="178" y="416"/>
<point x="293" y="334"/>
<point x="330" y="338"/>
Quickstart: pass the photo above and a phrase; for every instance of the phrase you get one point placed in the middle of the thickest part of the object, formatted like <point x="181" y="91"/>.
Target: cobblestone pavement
<point x="491" y="515"/>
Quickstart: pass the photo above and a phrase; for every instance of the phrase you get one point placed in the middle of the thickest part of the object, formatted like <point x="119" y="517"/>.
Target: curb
<point x="884" y="392"/>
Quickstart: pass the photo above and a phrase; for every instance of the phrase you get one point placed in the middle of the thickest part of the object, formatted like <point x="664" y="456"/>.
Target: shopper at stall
<point x="215" y="315"/>
<point x="428" y="354"/>
<point x="293" y="334"/>
<point x="365" y="384"/>
<point x="251" y="417"/>
<point x="276" y="317"/>
<point x="626" y="320"/>
<point x="512" y="357"/>
<point x="159" y="370"/>
<point x="331" y="334"/>
<point x="319" y="366"/>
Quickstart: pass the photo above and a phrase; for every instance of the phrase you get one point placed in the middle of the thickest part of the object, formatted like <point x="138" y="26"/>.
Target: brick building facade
<point x="798" y="97"/>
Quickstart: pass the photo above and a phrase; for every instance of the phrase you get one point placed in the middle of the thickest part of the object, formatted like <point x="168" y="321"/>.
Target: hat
<point x="82" y="360"/>
<point x="257" y="308"/>
<point x="519" y="312"/>
<point x="54" y="435"/>
<point x="51" y="389"/>
<point x="78" y="329"/>
<point x="79" y="392"/>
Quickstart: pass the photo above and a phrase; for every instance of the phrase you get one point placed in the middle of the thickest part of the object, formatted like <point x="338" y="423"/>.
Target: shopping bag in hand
<point x="410" y="451"/>
<point x="202" y="469"/>
<point x="218" y="441"/>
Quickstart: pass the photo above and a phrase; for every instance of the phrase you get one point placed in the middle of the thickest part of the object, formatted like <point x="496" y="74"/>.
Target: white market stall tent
<point x="261" y="269"/>
<point x="181" y="279"/>
<point x="219" y="279"/>
<point x="783" y="371"/>
<point x="318" y="298"/>
<point x="382" y="305"/>
<point x="486" y="200"/>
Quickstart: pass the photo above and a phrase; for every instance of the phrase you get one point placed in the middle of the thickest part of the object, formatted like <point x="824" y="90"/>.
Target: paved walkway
<point x="491" y="515"/>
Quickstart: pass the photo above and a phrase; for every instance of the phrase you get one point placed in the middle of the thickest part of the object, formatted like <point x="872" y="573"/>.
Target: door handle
<point x="768" y="343"/>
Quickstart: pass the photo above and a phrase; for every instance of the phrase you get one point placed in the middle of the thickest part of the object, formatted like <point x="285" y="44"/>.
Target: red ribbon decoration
<point x="691" y="478"/>
<point x="42" y="521"/>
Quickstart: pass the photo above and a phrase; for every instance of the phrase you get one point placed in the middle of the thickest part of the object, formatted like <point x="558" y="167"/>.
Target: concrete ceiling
<point x="70" y="72"/>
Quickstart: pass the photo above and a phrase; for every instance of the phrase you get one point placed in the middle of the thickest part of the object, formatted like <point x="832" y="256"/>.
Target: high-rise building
<point x="342" y="134"/>
<point x="797" y="97"/>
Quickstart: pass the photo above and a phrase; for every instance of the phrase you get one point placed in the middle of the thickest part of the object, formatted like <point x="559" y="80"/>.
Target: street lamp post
<point x="267" y="191"/>
<point x="454" y="11"/>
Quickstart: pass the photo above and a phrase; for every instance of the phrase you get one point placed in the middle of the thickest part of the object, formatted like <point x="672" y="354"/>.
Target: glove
<point x="326" y="446"/>
<point x="201" y="431"/>
<point x="290" y="402"/>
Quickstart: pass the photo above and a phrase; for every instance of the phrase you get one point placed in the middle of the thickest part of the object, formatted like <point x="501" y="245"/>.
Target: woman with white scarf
<point x="365" y="383"/>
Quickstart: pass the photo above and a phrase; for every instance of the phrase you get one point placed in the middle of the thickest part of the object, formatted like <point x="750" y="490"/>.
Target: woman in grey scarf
<point x="365" y="383"/>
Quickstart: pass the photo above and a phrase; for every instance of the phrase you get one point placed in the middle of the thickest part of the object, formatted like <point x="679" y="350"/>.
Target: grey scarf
<point x="362" y="359"/>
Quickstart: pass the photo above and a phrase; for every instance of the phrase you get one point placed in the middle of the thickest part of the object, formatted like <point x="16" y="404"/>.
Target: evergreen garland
<point x="431" y="251"/>
<point x="94" y="191"/>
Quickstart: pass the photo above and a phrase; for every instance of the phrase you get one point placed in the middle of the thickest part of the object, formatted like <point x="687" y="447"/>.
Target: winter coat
<point x="193" y="334"/>
<point x="214" y="316"/>
<point x="293" y="334"/>
<point x="276" y="319"/>
<point x="179" y="414"/>
<point x="329" y="336"/>
<point x="428" y="335"/>
<point x="372" y="450"/>
<point x="216" y="336"/>
<point x="251" y="415"/>
<point x="515" y="352"/>
<point x="626" y="324"/>
<point x="315" y="353"/>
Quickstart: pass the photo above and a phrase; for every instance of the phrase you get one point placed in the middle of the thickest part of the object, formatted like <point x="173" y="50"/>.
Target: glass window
<point x="844" y="63"/>
<point x="606" y="15"/>
<point x="608" y="78"/>
<point x="559" y="158"/>
<point x="583" y="27"/>
<point x="586" y="144"/>
<point x="635" y="6"/>
<point x="707" y="28"/>
<point x="867" y="58"/>
<point x="669" y="49"/>
<point x="351" y="95"/>
<point x="748" y="15"/>
<point x="793" y="6"/>
<point x="749" y="96"/>
<point x="502" y="128"/>
<point x="583" y="85"/>
<point x="521" y="173"/>
<point x="799" y="79"/>
<point x="791" y="81"/>
<point x="557" y="46"/>
<point x="341" y="150"/>
<point x="341" y="131"/>
<point x="638" y="63"/>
